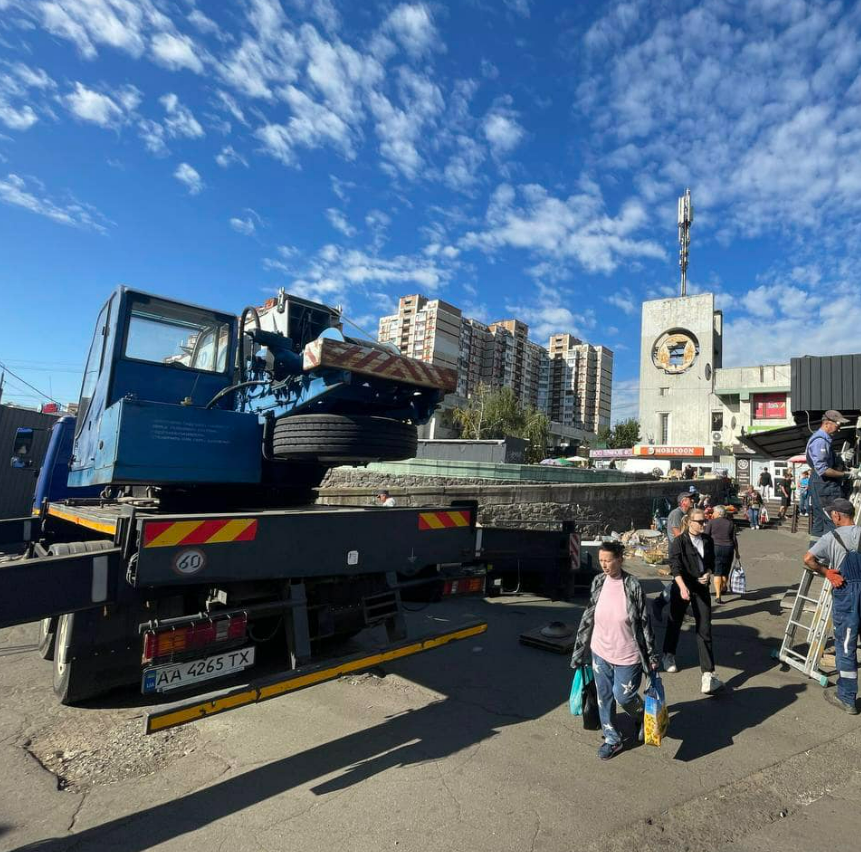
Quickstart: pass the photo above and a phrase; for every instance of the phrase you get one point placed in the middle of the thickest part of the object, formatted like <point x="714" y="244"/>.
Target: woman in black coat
<point x="692" y="562"/>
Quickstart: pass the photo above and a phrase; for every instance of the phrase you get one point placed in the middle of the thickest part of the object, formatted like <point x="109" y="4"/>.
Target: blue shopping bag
<point x="582" y="678"/>
<point x="657" y="717"/>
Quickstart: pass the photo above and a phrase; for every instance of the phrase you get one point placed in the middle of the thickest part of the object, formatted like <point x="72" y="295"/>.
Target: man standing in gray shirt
<point x="684" y="502"/>
<point x="836" y="556"/>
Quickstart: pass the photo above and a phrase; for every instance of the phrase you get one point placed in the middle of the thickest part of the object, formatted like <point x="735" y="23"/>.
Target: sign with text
<point x="671" y="452"/>
<point x="769" y="406"/>
<point x="611" y="454"/>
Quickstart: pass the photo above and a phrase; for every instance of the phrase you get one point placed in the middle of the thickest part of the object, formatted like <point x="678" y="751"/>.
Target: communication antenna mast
<point x="686" y="219"/>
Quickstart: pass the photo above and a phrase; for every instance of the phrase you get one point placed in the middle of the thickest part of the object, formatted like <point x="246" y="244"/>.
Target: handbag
<point x="591" y="718"/>
<point x="737" y="578"/>
<point x="763" y="515"/>
<point x="582" y="677"/>
<point x="656" y="718"/>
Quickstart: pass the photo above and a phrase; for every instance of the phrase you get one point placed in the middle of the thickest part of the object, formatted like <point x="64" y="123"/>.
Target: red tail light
<point x="463" y="586"/>
<point x="166" y="643"/>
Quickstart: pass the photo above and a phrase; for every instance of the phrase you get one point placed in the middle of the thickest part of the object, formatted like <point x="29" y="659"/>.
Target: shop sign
<point x="611" y="454"/>
<point x="673" y="452"/>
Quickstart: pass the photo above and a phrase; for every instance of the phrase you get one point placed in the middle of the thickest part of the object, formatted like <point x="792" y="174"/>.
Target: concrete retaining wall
<point x="596" y="506"/>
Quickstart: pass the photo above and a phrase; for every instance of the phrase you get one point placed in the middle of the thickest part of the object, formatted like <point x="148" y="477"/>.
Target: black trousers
<point x="701" y="604"/>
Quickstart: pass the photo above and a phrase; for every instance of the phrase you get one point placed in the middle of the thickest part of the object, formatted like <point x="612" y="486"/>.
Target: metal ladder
<point x="807" y="627"/>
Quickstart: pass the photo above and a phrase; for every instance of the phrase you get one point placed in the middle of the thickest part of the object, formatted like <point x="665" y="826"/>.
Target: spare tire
<point x="338" y="438"/>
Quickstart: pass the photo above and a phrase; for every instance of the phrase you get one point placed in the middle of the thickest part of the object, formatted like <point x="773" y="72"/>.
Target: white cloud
<point x="204" y="24"/>
<point x="176" y="52"/>
<point x="15" y="191"/>
<point x="577" y="228"/>
<point x="624" y="300"/>
<point x="190" y="177"/>
<point x="339" y="222"/>
<point x="625" y="400"/>
<point x="502" y="132"/>
<point x="412" y="25"/>
<point x="152" y="134"/>
<point x="229" y="103"/>
<point x="95" y="107"/>
<point x="180" y="121"/>
<point x="244" y="226"/>
<point x="546" y="314"/>
<point x="227" y="156"/>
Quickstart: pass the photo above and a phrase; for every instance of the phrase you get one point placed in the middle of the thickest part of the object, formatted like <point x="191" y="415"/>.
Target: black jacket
<point x="685" y="561"/>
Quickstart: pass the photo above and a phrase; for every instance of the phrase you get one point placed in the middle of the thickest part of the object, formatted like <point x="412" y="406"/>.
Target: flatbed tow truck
<point x="172" y="544"/>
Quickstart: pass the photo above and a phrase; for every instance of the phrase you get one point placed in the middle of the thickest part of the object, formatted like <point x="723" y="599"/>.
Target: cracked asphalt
<point x="470" y="747"/>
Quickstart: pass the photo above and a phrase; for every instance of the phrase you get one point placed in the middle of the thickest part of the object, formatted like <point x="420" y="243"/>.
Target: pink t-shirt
<point x="612" y="636"/>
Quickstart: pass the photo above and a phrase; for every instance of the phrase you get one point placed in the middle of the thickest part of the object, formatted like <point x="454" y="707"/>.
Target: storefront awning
<point x="789" y="441"/>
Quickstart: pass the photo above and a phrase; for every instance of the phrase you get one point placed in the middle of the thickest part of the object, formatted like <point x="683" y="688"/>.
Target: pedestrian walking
<point x="837" y="557"/>
<point x="828" y="479"/>
<point x="722" y="530"/>
<point x="784" y="488"/>
<point x="615" y="629"/>
<point x="803" y="492"/>
<point x="753" y="505"/>
<point x="692" y="562"/>
<point x="684" y="503"/>
<point x="765" y="484"/>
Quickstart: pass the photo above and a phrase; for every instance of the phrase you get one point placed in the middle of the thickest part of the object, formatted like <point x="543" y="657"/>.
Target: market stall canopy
<point x="790" y="441"/>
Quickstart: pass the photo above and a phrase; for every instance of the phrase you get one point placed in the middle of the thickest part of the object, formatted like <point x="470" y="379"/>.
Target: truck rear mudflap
<point x="283" y="683"/>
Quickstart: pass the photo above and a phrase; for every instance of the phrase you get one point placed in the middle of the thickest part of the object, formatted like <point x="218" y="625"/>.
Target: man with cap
<point x="828" y="479"/>
<point x="837" y="557"/>
<point x="685" y="501"/>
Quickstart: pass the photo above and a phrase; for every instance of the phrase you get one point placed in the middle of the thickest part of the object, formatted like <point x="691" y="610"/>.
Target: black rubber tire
<point x="336" y="438"/>
<point x="47" y="626"/>
<point x="69" y="685"/>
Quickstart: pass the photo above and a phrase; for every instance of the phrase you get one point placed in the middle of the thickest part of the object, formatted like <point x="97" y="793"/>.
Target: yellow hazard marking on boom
<point x="158" y="721"/>
<point x="231" y="530"/>
<point x="81" y="521"/>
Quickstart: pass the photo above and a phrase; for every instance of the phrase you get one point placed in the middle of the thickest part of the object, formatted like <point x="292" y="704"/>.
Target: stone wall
<point x="596" y="507"/>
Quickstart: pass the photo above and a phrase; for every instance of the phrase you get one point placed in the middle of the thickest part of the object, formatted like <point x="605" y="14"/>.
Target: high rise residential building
<point x="570" y="380"/>
<point x="577" y="383"/>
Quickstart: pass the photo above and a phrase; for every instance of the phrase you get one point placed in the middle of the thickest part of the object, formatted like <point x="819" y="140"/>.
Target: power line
<point x="41" y="393"/>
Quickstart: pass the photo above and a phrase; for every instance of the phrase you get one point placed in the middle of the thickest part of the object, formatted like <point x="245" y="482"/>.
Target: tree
<point x="491" y="414"/>
<point x="623" y="435"/>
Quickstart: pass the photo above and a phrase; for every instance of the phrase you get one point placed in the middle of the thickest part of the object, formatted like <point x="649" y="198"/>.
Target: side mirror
<point x="22" y="448"/>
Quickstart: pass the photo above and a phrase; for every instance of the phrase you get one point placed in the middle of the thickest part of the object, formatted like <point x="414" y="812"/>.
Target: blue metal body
<point x="52" y="483"/>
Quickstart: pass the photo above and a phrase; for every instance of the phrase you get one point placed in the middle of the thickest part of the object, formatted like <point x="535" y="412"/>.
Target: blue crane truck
<point x="172" y="543"/>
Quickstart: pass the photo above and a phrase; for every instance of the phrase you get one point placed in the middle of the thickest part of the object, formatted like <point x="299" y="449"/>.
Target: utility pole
<point x="686" y="219"/>
<point x="2" y="379"/>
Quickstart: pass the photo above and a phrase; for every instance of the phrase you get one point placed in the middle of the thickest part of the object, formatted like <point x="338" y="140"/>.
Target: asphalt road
<point x="470" y="747"/>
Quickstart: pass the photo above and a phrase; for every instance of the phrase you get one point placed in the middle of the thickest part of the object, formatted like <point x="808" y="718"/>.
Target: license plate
<point x="190" y="672"/>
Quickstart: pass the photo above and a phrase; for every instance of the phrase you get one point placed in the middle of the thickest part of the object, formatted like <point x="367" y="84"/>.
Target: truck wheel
<point x="72" y="683"/>
<point x="47" y="626"/>
<point x="337" y="438"/>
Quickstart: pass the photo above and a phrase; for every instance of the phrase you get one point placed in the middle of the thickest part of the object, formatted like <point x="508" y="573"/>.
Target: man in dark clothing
<point x="674" y="527"/>
<point x="784" y="488"/>
<point x="765" y="484"/>
<point x="692" y="560"/>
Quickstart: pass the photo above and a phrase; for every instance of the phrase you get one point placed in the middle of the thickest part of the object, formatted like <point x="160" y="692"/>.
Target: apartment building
<point x="570" y="380"/>
<point x="576" y="384"/>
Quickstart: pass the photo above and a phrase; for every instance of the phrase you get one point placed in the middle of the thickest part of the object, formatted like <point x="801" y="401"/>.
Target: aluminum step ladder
<point x="808" y="627"/>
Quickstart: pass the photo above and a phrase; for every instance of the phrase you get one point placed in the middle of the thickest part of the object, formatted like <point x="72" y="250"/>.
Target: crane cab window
<point x="166" y="333"/>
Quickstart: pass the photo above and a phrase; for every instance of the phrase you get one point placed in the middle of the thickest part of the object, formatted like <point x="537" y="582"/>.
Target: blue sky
<point x="518" y="158"/>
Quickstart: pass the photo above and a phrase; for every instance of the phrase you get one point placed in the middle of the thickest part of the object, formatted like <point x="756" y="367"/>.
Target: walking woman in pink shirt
<point x="615" y="629"/>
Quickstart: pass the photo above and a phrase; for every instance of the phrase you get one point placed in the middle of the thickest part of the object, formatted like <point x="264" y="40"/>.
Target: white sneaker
<point x="711" y="683"/>
<point x="670" y="664"/>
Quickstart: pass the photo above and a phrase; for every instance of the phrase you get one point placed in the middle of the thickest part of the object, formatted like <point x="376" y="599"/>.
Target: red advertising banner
<point x="769" y="406"/>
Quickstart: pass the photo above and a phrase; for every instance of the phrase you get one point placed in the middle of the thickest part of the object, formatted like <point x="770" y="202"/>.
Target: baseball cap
<point x="835" y="416"/>
<point x="842" y="505"/>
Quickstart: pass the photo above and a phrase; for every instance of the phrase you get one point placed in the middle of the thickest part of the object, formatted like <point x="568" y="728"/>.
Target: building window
<point x="717" y="421"/>
<point x="769" y="406"/>
<point x="665" y="429"/>
<point x="663" y="391"/>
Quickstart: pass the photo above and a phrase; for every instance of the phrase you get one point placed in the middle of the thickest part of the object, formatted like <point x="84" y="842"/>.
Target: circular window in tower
<point x="675" y="351"/>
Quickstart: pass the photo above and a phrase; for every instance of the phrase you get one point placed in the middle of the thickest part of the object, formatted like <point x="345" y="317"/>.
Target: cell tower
<point x="686" y="219"/>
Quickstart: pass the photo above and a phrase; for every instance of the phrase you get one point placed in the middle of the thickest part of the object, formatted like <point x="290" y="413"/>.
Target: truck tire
<point x="337" y="438"/>
<point x="72" y="683"/>
<point x="64" y="681"/>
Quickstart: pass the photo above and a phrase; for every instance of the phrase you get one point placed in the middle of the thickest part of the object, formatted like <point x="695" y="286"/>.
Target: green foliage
<point x="492" y="415"/>
<point x="624" y="434"/>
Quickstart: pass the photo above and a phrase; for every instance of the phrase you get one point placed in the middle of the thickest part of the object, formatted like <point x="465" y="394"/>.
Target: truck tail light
<point x="463" y="586"/>
<point x="190" y="637"/>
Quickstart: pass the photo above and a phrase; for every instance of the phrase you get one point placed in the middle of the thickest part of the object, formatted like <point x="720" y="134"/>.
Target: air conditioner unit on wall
<point x="716" y="437"/>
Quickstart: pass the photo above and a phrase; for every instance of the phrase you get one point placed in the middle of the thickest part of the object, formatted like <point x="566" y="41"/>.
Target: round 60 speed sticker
<point x="189" y="561"/>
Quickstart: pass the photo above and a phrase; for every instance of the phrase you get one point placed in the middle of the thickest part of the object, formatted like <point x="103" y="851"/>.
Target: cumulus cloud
<point x="624" y="300"/>
<point x="17" y="83"/>
<point x="189" y="177"/>
<point x="339" y="222"/>
<point x="502" y="131"/>
<point x="176" y="52"/>
<point x="546" y="314"/>
<point x="30" y="195"/>
<point x="109" y="111"/>
<point x="245" y="226"/>
<point x="577" y="228"/>
<point x="179" y="121"/>
<point x="412" y="26"/>
<point x="227" y="156"/>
